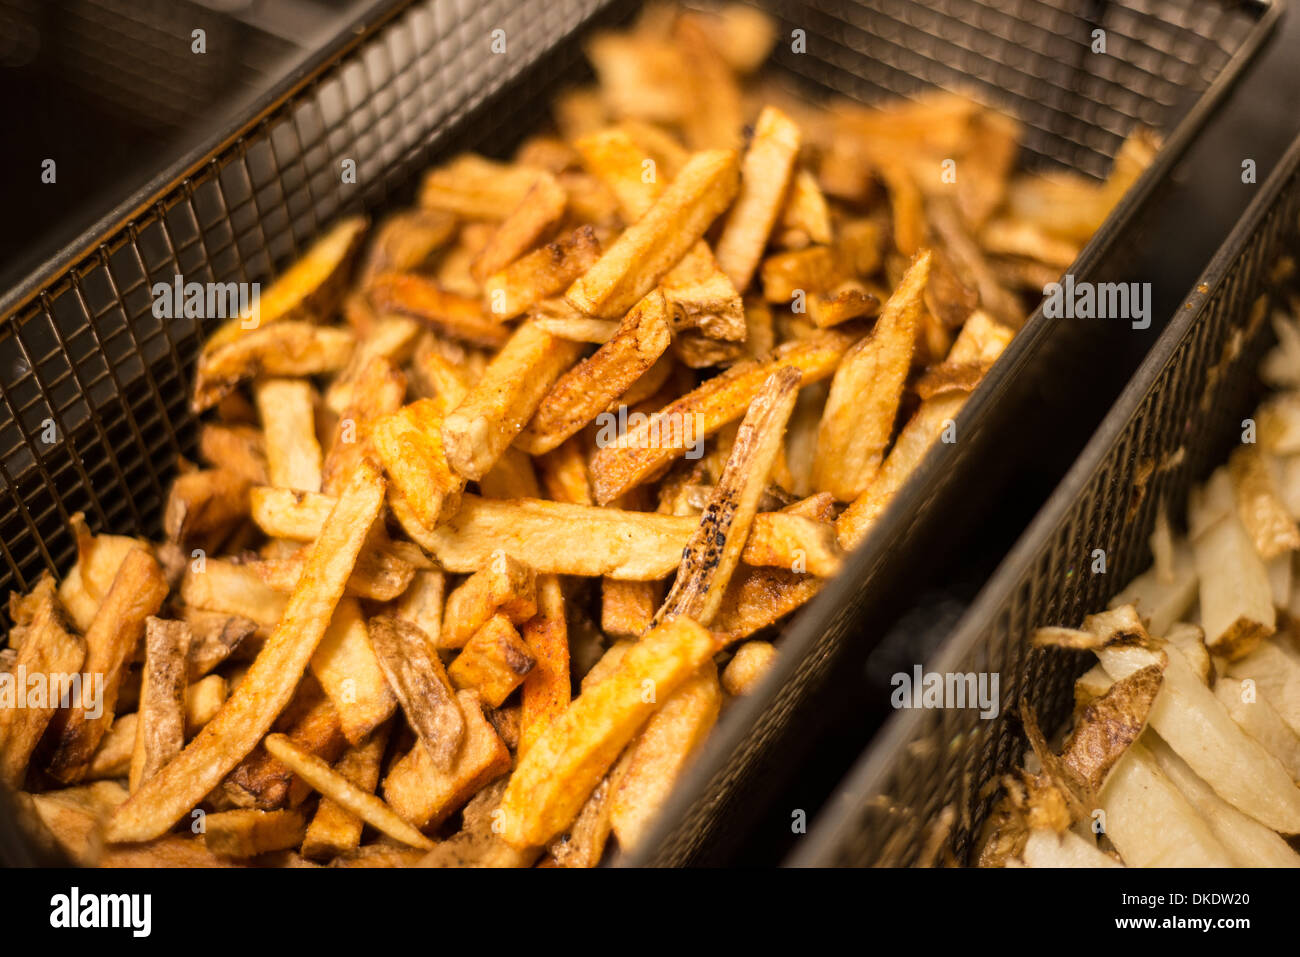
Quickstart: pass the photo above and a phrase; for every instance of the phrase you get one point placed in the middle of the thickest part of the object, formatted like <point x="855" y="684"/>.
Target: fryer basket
<point x="84" y="362"/>
<point x="1177" y="420"/>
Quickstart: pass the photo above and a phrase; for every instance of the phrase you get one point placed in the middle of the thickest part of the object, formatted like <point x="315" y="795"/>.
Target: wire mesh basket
<point x="94" y="388"/>
<point x="1178" y="419"/>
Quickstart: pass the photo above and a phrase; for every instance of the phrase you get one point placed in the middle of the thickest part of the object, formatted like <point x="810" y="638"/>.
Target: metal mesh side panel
<point x="1188" y="419"/>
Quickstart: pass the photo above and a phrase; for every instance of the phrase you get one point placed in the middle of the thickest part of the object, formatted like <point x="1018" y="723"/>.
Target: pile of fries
<point x="1185" y="745"/>
<point x="498" y="505"/>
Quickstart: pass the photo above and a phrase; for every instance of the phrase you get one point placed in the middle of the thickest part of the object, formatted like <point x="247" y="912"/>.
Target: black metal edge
<point x="902" y="513"/>
<point x="871" y="772"/>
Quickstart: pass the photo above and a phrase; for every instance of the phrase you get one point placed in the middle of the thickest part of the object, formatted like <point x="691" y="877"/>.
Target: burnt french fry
<point x="714" y="550"/>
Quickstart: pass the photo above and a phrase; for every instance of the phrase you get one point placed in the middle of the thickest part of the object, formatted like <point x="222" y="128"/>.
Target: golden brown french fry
<point x="48" y="650"/>
<point x="409" y="443"/>
<point x="865" y="393"/>
<point x="765" y="175"/>
<point x="482" y="426"/>
<point x="557" y="774"/>
<point x="504" y="586"/>
<point x="405" y="241"/>
<point x="269" y="685"/>
<point x="260" y="780"/>
<point x="584" y="391"/>
<point x="790" y="541"/>
<point x="494" y="662"/>
<point x="646" y="250"/>
<point x="343" y="792"/>
<point x="648" y="448"/>
<point x="537" y="214"/>
<point x="543" y="273"/>
<point x="714" y="550"/>
<point x="563" y="473"/>
<point x="820" y="269"/>
<point x="449" y="313"/>
<point x="234" y="448"/>
<point x="204" y="506"/>
<point x="473" y="187"/>
<point x="287" y="410"/>
<point x="333" y="828"/>
<point x="160" y="719"/>
<point x="203" y="700"/>
<point x="425" y="795"/>
<point x="418" y="679"/>
<point x="138" y="591"/>
<point x="348" y="670"/>
<point x="758" y="597"/>
<point x="747" y="667"/>
<point x="248" y="832"/>
<point x="660" y="753"/>
<point x="289" y="513"/>
<point x="289" y="348"/>
<point x="546" y="687"/>
<point x="805" y="213"/>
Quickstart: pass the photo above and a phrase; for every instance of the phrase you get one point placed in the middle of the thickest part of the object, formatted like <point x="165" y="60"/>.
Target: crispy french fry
<point x="424" y="795"/>
<point x="800" y="544"/>
<point x="537" y="214"/>
<point x="287" y="410"/>
<point x="546" y="687"/>
<point x="138" y="591"/>
<point x="334" y="829"/>
<point x="112" y="759"/>
<point x="747" y="667"/>
<point x="234" y="448"/>
<point x="248" y="832"/>
<point x="646" y="250"/>
<point x="493" y="662"/>
<point x="584" y="391"/>
<point x="765" y="175"/>
<point x="541" y="274"/>
<point x="289" y="513"/>
<point x="50" y="650"/>
<point x="349" y="672"/>
<point x="289" y="348"/>
<point x="418" y="679"/>
<point x="648" y="448"/>
<point x="487" y="420"/>
<point x="661" y="752"/>
<point x="160" y="719"/>
<point x="865" y="393"/>
<point x="473" y="187"/>
<point x="405" y="241"/>
<point x="343" y="792"/>
<point x="564" y="765"/>
<point x="759" y="597"/>
<point x="450" y="313"/>
<point x="421" y="603"/>
<point x="505" y="586"/>
<point x="409" y="443"/>
<point x="270" y="683"/>
<point x="715" y="548"/>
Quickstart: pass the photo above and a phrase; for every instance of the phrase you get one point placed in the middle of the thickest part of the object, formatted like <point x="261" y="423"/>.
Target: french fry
<point x="289" y="348"/>
<point x="584" y="391"/>
<point x="645" y="450"/>
<point x="449" y="313"/>
<point x="504" y="586"/>
<point x="421" y="603"/>
<point x="646" y="250"/>
<point x="543" y="273"/>
<point x="202" y="507"/>
<point x="714" y="550"/>
<point x="487" y="420"/>
<point x="473" y="187"/>
<point x="660" y="753"/>
<point x="1256" y="716"/>
<point x="343" y="792"/>
<point x="138" y="591"/>
<point x="48" y="649"/>
<point x="334" y="829"/>
<point x="1265" y="516"/>
<point x="293" y="455"/>
<point x="306" y="291"/>
<point x="747" y="667"/>
<point x="424" y="795"/>
<point x="234" y="448"/>
<point x="790" y="541"/>
<point x="563" y="474"/>
<point x="160" y="719"/>
<point x="247" y="832"/>
<point x="537" y="214"/>
<point x="564" y="765"/>
<point x="418" y="679"/>
<point x="247" y="715"/>
<point x="349" y="672"/>
<point x="493" y="662"/>
<point x="409" y="443"/>
<point x="546" y="688"/>
<point x="1276" y="674"/>
<point x="805" y="213"/>
<point x="758" y="597"/>
<point x="260" y="780"/>
<point x="405" y="241"/>
<point x="765" y="174"/>
<point x="289" y="513"/>
<point x="865" y="392"/>
<point x="819" y="269"/>
<point x="112" y="759"/>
